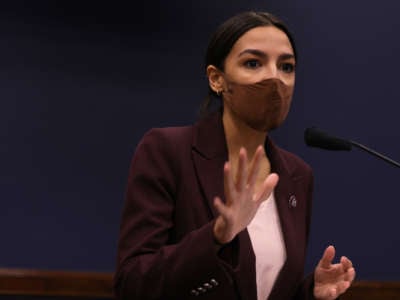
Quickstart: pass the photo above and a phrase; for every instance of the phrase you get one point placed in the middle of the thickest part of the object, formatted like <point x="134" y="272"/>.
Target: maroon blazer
<point x="166" y="248"/>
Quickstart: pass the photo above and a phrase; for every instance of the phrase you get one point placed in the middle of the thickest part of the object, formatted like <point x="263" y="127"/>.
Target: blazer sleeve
<point x="149" y="265"/>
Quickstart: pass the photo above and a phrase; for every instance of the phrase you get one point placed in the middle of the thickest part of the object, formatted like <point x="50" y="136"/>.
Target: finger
<point x="346" y="263"/>
<point x="241" y="175"/>
<point x="220" y="206"/>
<point x="268" y="186"/>
<point x="255" y="166"/>
<point x="327" y="257"/>
<point x="350" y="275"/>
<point x="229" y="186"/>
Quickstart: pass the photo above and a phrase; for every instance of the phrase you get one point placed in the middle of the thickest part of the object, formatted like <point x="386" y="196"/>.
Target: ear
<point x="215" y="79"/>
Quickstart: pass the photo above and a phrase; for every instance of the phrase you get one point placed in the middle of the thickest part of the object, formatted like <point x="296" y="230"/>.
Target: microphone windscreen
<point x="317" y="138"/>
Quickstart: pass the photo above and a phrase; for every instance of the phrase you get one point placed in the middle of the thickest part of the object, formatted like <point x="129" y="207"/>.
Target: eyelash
<point x="285" y="65"/>
<point x="250" y="64"/>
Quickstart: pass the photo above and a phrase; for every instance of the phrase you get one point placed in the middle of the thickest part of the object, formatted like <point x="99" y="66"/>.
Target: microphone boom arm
<point x="385" y="158"/>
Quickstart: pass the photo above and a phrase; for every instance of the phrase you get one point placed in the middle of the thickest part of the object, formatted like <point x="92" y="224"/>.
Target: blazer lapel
<point x="284" y="196"/>
<point x="210" y="153"/>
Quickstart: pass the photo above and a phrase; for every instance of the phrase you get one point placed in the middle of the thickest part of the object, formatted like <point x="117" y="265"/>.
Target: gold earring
<point x="219" y="93"/>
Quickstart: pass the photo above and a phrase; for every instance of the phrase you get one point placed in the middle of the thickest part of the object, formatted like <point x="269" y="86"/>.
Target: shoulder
<point x="164" y="143"/>
<point x="161" y="153"/>
<point x="167" y="136"/>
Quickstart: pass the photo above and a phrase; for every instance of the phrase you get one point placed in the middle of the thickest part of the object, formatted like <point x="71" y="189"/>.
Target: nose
<point x="271" y="71"/>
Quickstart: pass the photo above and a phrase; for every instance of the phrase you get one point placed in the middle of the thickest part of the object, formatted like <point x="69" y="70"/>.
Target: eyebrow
<point x="264" y="55"/>
<point x="254" y="52"/>
<point x="287" y="56"/>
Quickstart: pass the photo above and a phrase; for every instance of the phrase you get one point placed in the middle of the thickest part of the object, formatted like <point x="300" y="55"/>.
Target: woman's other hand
<point x="242" y="197"/>
<point x="332" y="280"/>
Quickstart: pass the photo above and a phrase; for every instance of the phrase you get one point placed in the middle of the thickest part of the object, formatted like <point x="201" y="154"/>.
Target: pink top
<point x="268" y="245"/>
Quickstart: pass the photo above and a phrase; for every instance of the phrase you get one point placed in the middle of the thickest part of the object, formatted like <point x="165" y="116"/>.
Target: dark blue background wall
<point x="80" y="84"/>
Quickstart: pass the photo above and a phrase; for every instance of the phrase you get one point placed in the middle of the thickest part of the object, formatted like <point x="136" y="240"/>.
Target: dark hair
<point x="229" y="32"/>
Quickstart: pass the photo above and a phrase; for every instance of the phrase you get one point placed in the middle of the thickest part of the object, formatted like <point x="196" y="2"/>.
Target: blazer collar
<point x="209" y="137"/>
<point x="210" y="142"/>
<point x="209" y="152"/>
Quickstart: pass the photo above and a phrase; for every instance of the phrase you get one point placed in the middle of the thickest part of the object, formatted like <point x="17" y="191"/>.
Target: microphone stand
<point x="385" y="158"/>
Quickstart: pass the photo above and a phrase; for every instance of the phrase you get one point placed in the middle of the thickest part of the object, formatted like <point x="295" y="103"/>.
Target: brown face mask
<point x="263" y="105"/>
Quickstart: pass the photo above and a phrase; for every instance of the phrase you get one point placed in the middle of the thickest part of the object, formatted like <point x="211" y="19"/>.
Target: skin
<point x="261" y="53"/>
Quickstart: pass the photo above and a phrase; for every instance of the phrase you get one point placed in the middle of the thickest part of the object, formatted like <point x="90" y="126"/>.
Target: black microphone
<point x="320" y="139"/>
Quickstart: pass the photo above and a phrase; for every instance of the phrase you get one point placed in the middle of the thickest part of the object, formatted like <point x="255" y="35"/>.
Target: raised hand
<point x="332" y="280"/>
<point x="242" y="197"/>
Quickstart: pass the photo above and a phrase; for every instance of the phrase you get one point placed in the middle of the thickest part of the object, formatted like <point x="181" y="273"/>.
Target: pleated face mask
<point x="263" y="105"/>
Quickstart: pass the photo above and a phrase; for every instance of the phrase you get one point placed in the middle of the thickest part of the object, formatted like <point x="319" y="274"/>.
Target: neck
<point x="238" y="134"/>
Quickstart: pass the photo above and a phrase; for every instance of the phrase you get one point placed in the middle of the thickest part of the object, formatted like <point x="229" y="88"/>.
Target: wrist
<point x="222" y="235"/>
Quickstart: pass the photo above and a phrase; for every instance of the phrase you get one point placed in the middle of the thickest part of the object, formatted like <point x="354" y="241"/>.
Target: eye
<point x="252" y="64"/>
<point x="287" y="67"/>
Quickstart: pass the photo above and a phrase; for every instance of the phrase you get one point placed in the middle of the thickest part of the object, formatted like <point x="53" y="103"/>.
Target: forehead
<point x="265" y="38"/>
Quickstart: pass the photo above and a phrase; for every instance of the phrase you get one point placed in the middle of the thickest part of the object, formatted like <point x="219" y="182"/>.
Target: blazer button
<point x="201" y="290"/>
<point x="208" y="286"/>
<point x="194" y="293"/>
<point x="214" y="282"/>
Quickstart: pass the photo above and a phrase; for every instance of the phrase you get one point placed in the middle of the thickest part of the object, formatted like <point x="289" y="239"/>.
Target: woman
<point x="216" y="210"/>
